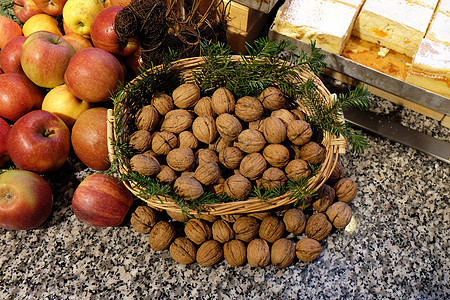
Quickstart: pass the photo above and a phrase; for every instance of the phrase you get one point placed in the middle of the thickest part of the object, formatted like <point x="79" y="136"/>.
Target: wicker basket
<point x="334" y="146"/>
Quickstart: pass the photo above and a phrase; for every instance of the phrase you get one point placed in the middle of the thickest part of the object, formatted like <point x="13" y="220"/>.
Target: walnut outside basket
<point x="334" y="146"/>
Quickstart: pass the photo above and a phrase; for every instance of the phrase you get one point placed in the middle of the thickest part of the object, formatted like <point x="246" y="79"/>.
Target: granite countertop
<point x="396" y="247"/>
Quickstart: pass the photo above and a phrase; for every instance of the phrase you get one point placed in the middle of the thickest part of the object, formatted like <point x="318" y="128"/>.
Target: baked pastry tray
<point x="339" y="65"/>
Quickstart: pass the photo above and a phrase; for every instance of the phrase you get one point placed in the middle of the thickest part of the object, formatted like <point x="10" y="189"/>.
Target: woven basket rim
<point x="334" y="146"/>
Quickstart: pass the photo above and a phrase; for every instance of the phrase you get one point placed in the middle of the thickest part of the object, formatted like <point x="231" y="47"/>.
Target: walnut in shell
<point x="145" y="164"/>
<point x="250" y="141"/>
<point x="260" y="215"/>
<point x="253" y="165"/>
<point x="209" y="253"/>
<point x="207" y="173"/>
<point x="177" y="216"/>
<point x="177" y="120"/>
<point x="228" y="126"/>
<point x="161" y="235"/>
<point x="166" y="174"/>
<point x="246" y="228"/>
<point x="298" y="114"/>
<point x="273" y="177"/>
<point x="282" y="253"/>
<point x="162" y="102"/>
<point x="297" y="168"/>
<point x="187" y="139"/>
<point x="186" y="95"/>
<point x="271" y="229"/>
<point x="205" y="155"/>
<point x="313" y="153"/>
<point x="295" y="221"/>
<point x="285" y="115"/>
<point x="231" y="218"/>
<point x="143" y="219"/>
<point x="318" y="226"/>
<point x="257" y="125"/>
<point x="237" y="187"/>
<point x="307" y="249"/>
<point x="147" y="118"/>
<point x="218" y="187"/>
<point x="219" y="144"/>
<point x="140" y="140"/>
<point x="248" y="109"/>
<point x="276" y="155"/>
<point x="222" y="231"/>
<point x="235" y="252"/>
<point x="340" y="214"/>
<point x="324" y="198"/>
<point x="258" y="253"/>
<point x="272" y="98"/>
<point x="346" y="189"/>
<point x="197" y="231"/>
<point x="230" y="157"/>
<point x="204" y="129"/>
<point x="337" y="173"/>
<point x="181" y="159"/>
<point x="163" y="142"/>
<point x="188" y="187"/>
<point x="204" y="107"/>
<point x="299" y="132"/>
<point x="274" y="130"/>
<point x="223" y="101"/>
<point x="183" y="250"/>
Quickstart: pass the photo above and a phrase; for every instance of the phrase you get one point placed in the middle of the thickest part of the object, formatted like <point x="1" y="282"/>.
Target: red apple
<point x="25" y="9"/>
<point x="39" y="141"/>
<point x="8" y="30"/>
<point x="93" y="74"/>
<point x="89" y="138"/>
<point x="104" y="36"/>
<point x="18" y="96"/>
<point x="10" y="55"/>
<point x="134" y="61"/>
<point x="4" y="129"/>
<point x="45" y="57"/>
<point x="101" y="200"/>
<point x="51" y="7"/>
<point x="26" y="200"/>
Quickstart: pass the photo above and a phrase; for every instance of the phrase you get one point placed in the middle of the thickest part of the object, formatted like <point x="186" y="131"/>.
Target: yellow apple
<point x="41" y="22"/>
<point x="64" y="104"/>
<point x="78" y="14"/>
<point x="77" y="41"/>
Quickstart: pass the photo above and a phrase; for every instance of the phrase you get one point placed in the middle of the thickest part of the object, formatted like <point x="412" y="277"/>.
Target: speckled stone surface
<point x="396" y="247"/>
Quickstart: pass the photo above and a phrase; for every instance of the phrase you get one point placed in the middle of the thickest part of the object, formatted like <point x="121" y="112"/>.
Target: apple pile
<point x="59" y="66"/>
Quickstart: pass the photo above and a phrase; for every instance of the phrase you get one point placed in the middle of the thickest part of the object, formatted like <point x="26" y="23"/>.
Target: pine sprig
<point x="7" y="10"/>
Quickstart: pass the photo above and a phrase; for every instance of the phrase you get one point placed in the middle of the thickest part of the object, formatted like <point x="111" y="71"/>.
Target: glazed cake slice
<point x="329" y="23"/>
<point x="399" y="25"/>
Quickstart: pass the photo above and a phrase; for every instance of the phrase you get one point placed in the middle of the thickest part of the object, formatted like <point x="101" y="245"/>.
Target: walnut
<point x="284" y="115"/>
<point x="147" y="118"/>
<point x="145" y="164"/>
<point x="295" y="221"/>
<point x="187" y="139"/>
<point x="282" y="253"/>
<point x="204" y="155"/>
<point x="183" y="251"/>
<point x="318" y="226"/>
<point x="294" y="151"/>
<point x="337" y="173"/>
<point x="299" y="132"/>
<point x="218" y="187"/>
<point x="313" y="153"/>
<point x="207" y="173"/>
<point x="140" y="140"/>
<point x="237" y="187"/>
<point x="258" y="253"/>
<point x="228" y="126"/>
<point x="231" y="157"/>
<point x="340" y="214"/>
<point x="162" y="102"/>
<point x="163" y="142"/>
<point x="307" y="249"/>
<point x="253" y="165"/>
<point x="324" y="198"/>
<point x="250" y="141"/>
<point x="222" y="231"/>
<point x="209" y="253"/>
<point x="246" y="228"/>
<point x="166" y="174"/>
<point x="298" y="114"/>
<point x="271" y="229"/>
<point x="206" y="217"/>
<point x="204" y="129"/>
<point x="272" y="98"/>
<point x="274" y="130"/>
<point x="235" y="252"/>
<point x="143" y="219"/>
<point x="204" y="107"/>
<point x="346" y="189"/>
<point x="223" y="101"/>
<point x="248" y="109"/>
<point x="219" y="144"/>
<point x="257" y="125"/>
<point x="177" y="216"/>
<point x="186" y="95"/>
<point x="188" y="187"/>
<point x="177" y="120"/>
<point x="181" y="159"/>
<point x="259" y="215"/>
<point x="161" y="235"/>
<point x="231" y="218"/>
<point x="297" y="168"/>
<point x="276" y="155"/>
<point x="197" y="231"/>
<point x="273" y="177"/>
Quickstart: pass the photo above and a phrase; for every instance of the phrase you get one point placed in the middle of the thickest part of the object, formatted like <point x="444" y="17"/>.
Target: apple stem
<point x="14" y="3"/>
<point x="48" y="132"/>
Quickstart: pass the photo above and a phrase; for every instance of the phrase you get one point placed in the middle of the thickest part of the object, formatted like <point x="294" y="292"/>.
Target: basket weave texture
<point x="334" y="147"/>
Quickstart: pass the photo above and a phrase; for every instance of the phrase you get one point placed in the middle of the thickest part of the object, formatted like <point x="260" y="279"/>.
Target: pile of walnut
<point x="277" y="237"/>
<point x="221" y="144"/>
